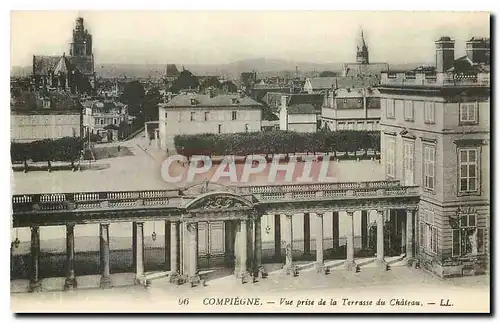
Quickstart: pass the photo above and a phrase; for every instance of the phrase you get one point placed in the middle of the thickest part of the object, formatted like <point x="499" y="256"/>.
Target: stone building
<point x="435" y="134"/>
<point x="74" y="72"/>
<point x="194" y="113"/>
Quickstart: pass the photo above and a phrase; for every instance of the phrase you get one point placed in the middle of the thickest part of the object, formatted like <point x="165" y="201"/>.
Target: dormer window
<point x="234" y="100"/>
<point x="193" y="102"/>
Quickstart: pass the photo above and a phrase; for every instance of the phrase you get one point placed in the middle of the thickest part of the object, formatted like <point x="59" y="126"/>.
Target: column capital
<point x="412" y="208"/>
<point x="139" y="224"/>
<point x="320" y="214"/>
<point x="350" y="212"/>
<point x="288" y="215"/>
<point x="106" y="224"/>
<point x="34" y="228"/>
<point x="380" y="211"/>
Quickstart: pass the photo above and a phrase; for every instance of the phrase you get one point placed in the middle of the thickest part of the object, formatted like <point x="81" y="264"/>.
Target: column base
<point x="382" y="264"/>
<point x="70" y="283"/>
<point x="244" y="276"/>
<point x="291" y="270"/>
<point x="322" y="269"/>
<point x="351" y="266"/>
<point x="176" y="278"/>
<point x="35" y="286"/>
<point x="260" y="273"/>
<point x="195" y="280"/>
<point x="412" y="262"/>
<point x="105" y="282"/>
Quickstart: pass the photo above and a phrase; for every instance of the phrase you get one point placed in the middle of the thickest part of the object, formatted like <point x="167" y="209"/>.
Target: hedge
<point x="63" y="149"/>
<point x="274" y="142"/>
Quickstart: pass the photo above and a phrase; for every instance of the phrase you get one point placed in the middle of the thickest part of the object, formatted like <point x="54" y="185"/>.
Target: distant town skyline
<point x="220" y="37"/>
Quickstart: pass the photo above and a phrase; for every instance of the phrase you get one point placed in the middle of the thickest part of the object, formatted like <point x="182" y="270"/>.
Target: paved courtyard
<point x="465" y="293"/>
<point x="140" y="169"/>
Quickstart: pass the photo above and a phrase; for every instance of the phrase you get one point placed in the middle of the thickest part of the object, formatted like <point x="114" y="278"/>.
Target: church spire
<point x="362" y="49"/>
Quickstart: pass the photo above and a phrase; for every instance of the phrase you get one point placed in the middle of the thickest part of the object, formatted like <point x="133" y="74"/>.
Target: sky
<point x="219" y="37"/>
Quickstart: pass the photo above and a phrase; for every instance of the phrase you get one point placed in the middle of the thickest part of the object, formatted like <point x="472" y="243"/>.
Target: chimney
<point x="478" y="50"/>
<point x="445" y="54"/>
<point x="283" y="100"/>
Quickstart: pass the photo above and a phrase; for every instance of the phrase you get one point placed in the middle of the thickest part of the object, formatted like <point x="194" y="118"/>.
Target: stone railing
<point x="339" y="193"/>
<point x="172" y="198"/>
<point x="438" y="80"/>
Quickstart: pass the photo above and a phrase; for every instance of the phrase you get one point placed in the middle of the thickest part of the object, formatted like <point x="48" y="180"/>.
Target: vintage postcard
<point x="259" y="161"/>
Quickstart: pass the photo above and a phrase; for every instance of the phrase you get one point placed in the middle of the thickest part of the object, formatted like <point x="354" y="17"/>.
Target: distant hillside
<point x="263" y="67"/>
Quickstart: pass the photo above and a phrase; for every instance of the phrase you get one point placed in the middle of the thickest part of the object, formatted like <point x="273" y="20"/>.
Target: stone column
<point x="228" y="240"/>
<point x="174" y="251"/>
<point x="139" y="267"/>
<point x="320" y="263"/>
<point x="105" y="275"/>
<point x="380" y="240"/>
<point x="277" y="236"/>
<point x="192" y="266"/>
<point x="409" y="235"/>
<point x="70" y="281"/>
<point x="402" y="221"/>
<point x="349" y="263"/>
<point x="289" y="268"/>
<point x="134" y="245"/>
<point x="335" y="227"/>
<point x="35" y="283"/>
<point x="241" y="268"/>
<point x="364" y="229"/>
<point x="167" y="246"/>
<point x="307" y="234"/>
<point x="259" y="269"/>
<point x="182" y="247"/>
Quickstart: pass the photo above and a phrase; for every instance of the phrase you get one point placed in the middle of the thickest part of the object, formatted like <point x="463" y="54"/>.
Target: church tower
<point x="362" y="50"/>
<point x="82" y="40"/>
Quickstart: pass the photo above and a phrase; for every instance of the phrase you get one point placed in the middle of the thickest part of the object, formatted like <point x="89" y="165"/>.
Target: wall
<point x="179" y="121"/>
<point x="33" y="127"/>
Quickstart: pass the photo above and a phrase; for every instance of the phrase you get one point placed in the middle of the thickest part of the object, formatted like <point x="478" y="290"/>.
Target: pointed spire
<point x="361" y="41"/>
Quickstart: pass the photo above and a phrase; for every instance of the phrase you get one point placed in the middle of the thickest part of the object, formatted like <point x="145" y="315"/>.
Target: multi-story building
<point x="351" y="109"/>
<point x="435" y="133"/>
<point x="37" y="116"/>
<point x="194" y="113"/>
<point x="104" y="118"/>
<point x="296" y="114"/>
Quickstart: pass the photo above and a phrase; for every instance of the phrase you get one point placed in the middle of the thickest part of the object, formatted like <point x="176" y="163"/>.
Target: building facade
<point x="104" y="118"/>
<point x="297" y="116"/>
<point x="351" y="109"/>
<point x="198" y="114"/>
<point x="435" y="134"/>
<point x="34" y="116"/>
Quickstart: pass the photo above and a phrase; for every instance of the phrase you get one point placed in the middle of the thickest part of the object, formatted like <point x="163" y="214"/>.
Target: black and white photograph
<point x="250" y="161"/>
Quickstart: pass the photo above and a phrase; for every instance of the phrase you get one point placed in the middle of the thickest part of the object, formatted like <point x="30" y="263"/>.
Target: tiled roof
<point x="62" y="66"/>
<point x="344" y="82"/>
<point x="202" y="100"/>
<point x="29" y="101"/>
<point x="42" y="65"/>
<point x="301" y="108"/>
<point x="273" y="99"/>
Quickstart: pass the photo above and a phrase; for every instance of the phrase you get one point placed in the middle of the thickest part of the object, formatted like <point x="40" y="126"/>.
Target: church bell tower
<point x="82" y="40"/>
<point x="362" y="50"/>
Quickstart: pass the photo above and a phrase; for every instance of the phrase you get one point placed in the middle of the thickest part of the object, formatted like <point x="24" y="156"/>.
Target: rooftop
<point x="204" y="100"/>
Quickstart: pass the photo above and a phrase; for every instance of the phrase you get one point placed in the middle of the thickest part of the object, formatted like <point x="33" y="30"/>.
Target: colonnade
<point x="243" y="238"/>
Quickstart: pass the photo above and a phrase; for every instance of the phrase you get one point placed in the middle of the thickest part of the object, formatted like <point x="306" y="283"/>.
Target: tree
<point x="133" y="95"/>
<point x="185" y="81"/>
<point x="150" y="105"/>
<point x="327" y="74"/>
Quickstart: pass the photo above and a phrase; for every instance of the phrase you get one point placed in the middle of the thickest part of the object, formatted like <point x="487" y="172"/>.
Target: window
<point x="360" y="125"/>
<point x="428" y="232"/>
<point x="408" y="115"/>
<point x="340" y="126"/>
<point x="429" y="112"/>
<point x="391" y="157"/>
<point x="468" y="172"/>
<point x="220" y="129"/>
<point x="166" y="115"/>
<point x="350" y="126"/>
<point x="468" y="113"/>
<point x="193" y="116"/>
<point x="246" y="127"/>
<point x="408" y="153"/>
<point x="467" y="238"/>
<point x="429" y="167"/>
<point x="179" y="116"/>
<point x="206" y="115"/>
<point x="389" y="112"/>
<point x="102" y="120"/>
<point x="233" y="115"/>
<point x="114" y="120"/>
